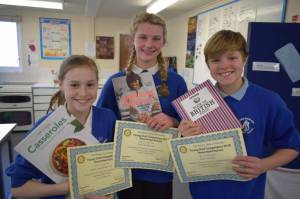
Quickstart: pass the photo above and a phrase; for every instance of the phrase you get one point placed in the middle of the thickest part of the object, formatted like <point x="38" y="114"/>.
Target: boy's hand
<point x="248" y="167"/>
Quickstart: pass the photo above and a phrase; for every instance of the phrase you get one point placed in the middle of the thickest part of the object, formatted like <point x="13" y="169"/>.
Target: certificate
<point x="137" y="146"/>
<point x="208" y="156"/>
<point x="91" y="171"/>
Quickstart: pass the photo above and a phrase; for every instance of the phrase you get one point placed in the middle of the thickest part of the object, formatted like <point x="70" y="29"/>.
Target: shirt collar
<point x="138" y="70"/>
<point x="238" y="95"/>
<point x="88" y="122"/>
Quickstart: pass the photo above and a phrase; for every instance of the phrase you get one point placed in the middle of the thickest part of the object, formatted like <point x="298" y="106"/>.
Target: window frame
<point x="17" y="20"/>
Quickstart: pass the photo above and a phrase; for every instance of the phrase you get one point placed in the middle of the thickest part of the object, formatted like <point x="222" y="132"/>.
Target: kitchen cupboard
<point x="42" y="94"/>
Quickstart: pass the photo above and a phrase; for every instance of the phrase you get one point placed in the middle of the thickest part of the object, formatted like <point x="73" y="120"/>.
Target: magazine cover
<point x="136" y="96"/>
<point x="46" y="146"/>
<point x="205" y="106"/>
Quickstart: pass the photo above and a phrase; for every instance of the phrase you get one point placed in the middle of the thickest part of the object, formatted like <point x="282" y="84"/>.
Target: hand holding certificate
<point x="91" y="171"/>
<point x="137" y="146"/>
<point x="208" y="156"/>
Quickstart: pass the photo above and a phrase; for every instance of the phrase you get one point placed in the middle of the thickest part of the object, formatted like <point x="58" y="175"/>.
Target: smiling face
<point x="227" y="70"/>
<point x="79" y="86"/>
<point x="148" y="41"/>
<point x="226" y="54"/>
<point x="135" y="85"/>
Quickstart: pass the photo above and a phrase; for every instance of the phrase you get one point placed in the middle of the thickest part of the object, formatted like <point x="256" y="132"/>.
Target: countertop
<point x="5" y="129"/>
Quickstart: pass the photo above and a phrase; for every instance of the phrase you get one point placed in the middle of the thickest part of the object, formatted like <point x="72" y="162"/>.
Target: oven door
<point x="22" y="116"/>
<point x="14" y="100"/>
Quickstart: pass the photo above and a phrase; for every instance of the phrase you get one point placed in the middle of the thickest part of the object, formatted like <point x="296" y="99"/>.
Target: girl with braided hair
<point x="148" y="37"/>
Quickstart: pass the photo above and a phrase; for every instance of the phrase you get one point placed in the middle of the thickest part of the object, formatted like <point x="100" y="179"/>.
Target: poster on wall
<point x="55" y="38"/>
<point x="191" y="40"/>
<point x="208" y="23"/>
<point x="171" y="63"/>
<point x="234" y="15"/>
<point x="31" y="53"/>
<point x="105" y="47"/>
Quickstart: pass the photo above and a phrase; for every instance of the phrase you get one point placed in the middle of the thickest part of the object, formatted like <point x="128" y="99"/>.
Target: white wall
<point x="111" y="27"/>
<point x="293" y="8"/>
<point x="177" y="37"/>
<point x="84" y="29"/>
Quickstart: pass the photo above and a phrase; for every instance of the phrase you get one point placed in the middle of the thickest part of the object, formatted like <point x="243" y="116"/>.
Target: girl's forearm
<point x="33" y="189"/>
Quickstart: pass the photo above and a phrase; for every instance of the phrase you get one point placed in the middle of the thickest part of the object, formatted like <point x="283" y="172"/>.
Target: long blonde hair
<point x="74" y="61"/>
<point x="162" y="67"/>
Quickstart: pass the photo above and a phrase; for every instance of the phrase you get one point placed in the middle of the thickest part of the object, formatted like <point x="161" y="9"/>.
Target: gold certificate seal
<point x="182" y="149"/>
<point x="127" y="132"/>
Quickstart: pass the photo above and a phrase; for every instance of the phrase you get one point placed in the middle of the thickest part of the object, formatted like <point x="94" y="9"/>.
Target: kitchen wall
<point x="179" y="35"/>
<point x="111" y="27"/>
<point x="84" y="29"/>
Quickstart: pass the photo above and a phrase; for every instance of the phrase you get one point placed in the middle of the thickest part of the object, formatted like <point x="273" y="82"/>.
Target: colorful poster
<point x="191" y="41"/>
<point x="105" y="47"/>
<point x="55" y="38"/>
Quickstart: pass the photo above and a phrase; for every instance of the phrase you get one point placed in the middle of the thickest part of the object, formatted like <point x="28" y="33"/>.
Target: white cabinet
<point x="42" y="94"/>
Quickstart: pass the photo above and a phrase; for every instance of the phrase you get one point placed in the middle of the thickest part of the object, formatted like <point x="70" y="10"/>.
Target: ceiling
<point x="117" y="8"/>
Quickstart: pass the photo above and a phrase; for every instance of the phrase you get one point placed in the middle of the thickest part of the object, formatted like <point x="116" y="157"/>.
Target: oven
<point x="15" y="100"/>
<point x="22" y="116"/>
<point x="16" y="106"/>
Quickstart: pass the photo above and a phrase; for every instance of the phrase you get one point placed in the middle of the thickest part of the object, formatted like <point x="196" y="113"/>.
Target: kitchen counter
<point x="5" y="129"/>
<point x="5" y="158"/>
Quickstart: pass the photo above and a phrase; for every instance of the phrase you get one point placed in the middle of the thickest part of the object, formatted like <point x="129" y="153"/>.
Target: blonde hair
<point x="225" y="40"/>
<point x="154" y="20"/>
<point x="74" y="61"/>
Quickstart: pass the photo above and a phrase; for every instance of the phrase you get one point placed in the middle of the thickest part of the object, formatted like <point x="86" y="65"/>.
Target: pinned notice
<point x="266" y="66"/>
<point x="289" y="57"/>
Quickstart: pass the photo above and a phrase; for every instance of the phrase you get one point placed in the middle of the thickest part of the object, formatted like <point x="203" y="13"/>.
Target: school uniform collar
<point x="138" y="70"/>
<point x="239" y="94"/>
<point x="88" y="122"/>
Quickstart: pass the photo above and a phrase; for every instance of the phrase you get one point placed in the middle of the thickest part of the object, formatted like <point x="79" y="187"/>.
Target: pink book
<point x="205" y="106"/>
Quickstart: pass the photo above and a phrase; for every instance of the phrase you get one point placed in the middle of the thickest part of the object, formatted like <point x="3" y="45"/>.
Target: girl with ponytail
<point x="78" y="85"/>
<point x="148" y="37"/>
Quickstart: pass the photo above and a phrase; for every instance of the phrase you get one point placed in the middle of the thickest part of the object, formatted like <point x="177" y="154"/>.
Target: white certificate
<point x="91" y="171"/>
<point x="208" y="156"/>
<point x="137" y="146"/>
